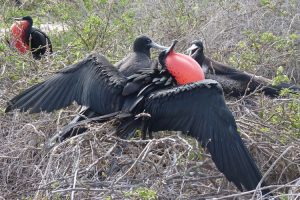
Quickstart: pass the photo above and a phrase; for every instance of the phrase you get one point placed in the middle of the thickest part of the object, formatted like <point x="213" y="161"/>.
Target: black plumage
<point x="86" y="82"/>
<point x="139" y="59"/>
<point x="198" y="109"/>
<point x="37" y="40"/>
<point x="235" y="82"/>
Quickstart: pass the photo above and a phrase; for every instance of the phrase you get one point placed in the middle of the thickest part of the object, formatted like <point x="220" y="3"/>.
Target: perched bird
<point x="234" y="82"/>
<point x="25" y="38"/>
<point x="163" y="98"/>
<point x="140" y="57"/>
<point x="135" y="61"/>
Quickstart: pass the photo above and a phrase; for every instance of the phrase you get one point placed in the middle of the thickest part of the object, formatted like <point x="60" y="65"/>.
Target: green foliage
<point x="193" y="154"/>
<point x="265" y="2"/>
<point x="280" y="77"/>
<point x="142" y="193"/>
<point x="268" y="3"/>
<point x="10" y="12"/>
<point x="91" y="29"/>
<point x="258" y="48"/>
<point x="287" y="116"/>
<point x="3" y="47"/>
<point x="284" y="197"/>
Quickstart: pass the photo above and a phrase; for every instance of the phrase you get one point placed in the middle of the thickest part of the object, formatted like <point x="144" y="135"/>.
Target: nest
<point x="100" y="165"/>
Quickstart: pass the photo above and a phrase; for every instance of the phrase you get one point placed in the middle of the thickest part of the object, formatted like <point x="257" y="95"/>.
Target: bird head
<point x="143" y="44"/>
<point x="28" y="19"/>
<point x="182" y="67"/>
<point x="195" y="45"/>
<point x="26" y="22"/>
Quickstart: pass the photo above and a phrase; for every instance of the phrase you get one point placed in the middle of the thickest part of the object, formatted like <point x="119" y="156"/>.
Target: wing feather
<point x="93" y="82"/>
<point x="199" y="110"/>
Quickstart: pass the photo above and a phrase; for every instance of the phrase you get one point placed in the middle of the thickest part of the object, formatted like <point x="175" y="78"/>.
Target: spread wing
<point x="199" y="110"/>
<point x="93" y="82"/>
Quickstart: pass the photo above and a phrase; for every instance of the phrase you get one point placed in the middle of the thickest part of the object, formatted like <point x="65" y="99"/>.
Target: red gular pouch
<point x="18" y="33"/>
<point x="182" y="67"/>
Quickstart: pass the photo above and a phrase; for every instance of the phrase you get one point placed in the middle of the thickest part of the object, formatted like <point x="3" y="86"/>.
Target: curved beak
<point x="191" y="49"/>
<point x="157" y="46"/>
<point x="171" y="47"/>
<point x="163" y="55"/>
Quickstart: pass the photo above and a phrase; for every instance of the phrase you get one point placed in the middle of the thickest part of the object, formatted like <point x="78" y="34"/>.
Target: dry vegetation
<point x="257" y="36"/>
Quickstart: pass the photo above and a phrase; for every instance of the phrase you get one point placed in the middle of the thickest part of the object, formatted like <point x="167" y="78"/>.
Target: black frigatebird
<point x="25" y="38"/>
<point x="139" y="59"/>
<point x="171" y="98"/>
<point x="234" y="82"/>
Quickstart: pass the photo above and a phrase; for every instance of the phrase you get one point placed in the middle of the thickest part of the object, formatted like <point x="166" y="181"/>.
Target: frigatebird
<point x="132" y="63"/>
<point x="235" y="82"/>
<point x="140" y="57"/>
<point x="25" y="38"/>
<point x="166" y="97"/>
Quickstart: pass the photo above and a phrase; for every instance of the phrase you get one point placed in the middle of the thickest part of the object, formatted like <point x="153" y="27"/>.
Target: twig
<point x="74" y="185"/>
<point x="250" y="192"/>
<point x="269" y="170"/>
<point x="143" y="153"/>
<point x="79" y="189"/>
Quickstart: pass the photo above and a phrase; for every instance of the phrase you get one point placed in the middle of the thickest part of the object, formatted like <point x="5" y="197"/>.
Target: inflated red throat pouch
<point x="18" y="32"/>
<point x="183" y="68"/>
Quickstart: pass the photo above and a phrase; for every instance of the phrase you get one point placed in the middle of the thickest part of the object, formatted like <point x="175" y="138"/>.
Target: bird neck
<point x="145" y="51"/>
<point x="198" y="55"/>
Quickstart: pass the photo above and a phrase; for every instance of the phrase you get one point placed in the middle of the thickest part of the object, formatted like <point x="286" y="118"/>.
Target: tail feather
<point x="274" y="90"/>
<point x="292" y="87"/>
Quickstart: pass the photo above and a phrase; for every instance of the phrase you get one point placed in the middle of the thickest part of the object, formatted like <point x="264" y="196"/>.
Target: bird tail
<point x="77" y="127"/>
<point x="84" y="113"/>
<point x="274" y="90"/>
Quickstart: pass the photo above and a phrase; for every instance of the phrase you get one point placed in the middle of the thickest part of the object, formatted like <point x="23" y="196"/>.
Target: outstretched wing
<point x="199" y="110"/>
<point x="93" y="82"/>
